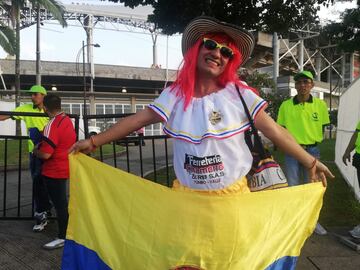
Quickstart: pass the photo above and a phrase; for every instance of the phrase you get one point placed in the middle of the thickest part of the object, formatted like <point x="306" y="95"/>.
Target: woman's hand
<point x="84" y="146"/>
<point x="319" y="172"/>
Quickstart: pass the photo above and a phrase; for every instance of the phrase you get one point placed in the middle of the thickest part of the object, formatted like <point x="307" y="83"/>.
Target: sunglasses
<point x="225" y="51"/>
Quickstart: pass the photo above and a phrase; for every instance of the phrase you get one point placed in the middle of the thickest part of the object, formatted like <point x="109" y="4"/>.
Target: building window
<point x="66" y="108"/>
<point x="127" y="108"/>
<point x="75" y="109"/>
<point x="153" y="129"/>
<point x="105" y="123"/>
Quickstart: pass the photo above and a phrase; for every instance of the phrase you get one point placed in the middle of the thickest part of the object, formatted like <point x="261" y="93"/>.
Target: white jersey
<point x="209" y="146"/>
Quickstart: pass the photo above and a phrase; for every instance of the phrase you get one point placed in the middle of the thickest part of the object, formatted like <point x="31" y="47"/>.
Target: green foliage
<point x="12" y="157"/>
<point x="345" y="33"/>
<point x="269" y="15"/>
<point x="13" y="153"/>
<point x="266" y="88"/>
<point x="274" y="100"/>
<point x="258" y="80"/>
<point x="134" y="3"/>
<point x="13" y="8"/>
<point x="340" y="207"/>
<point x="7" y="39"/>
<point x="107" y="151"/>
<point x="54" y="7"/>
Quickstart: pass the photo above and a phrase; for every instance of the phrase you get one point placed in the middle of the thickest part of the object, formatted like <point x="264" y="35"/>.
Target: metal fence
<point x="146" y="158"/>
<point x="134" y="154"/>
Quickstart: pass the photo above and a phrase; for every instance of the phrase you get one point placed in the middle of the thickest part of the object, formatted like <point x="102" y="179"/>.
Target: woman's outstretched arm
<point x="119" y="130"/>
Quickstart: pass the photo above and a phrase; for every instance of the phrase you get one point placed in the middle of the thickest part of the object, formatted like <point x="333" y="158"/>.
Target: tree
<point x="7" y="38"/>
<point x="265" y="85"/>
<point x="14" y="11"/>
<point x="347" y="32"/>
<point x="268" y="15"/>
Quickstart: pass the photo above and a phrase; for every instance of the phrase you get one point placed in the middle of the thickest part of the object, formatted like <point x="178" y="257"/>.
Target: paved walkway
<point x="20" y="249"/>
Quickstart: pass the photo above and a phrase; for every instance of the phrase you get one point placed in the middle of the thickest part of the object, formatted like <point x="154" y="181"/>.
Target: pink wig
<point x="186" y="76"/>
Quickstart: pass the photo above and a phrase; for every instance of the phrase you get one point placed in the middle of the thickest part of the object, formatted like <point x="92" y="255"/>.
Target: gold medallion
<point x="215" y="117"/>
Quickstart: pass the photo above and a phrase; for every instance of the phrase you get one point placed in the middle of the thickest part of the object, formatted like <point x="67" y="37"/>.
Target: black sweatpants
<point x="356" y="164"/>
<point x="40" y="193"/>
<point x="57" y="192"/>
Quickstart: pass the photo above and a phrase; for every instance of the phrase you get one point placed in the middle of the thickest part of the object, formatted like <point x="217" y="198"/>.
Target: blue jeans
<point x="297" y="174"/>
<point x="40" y="193"/>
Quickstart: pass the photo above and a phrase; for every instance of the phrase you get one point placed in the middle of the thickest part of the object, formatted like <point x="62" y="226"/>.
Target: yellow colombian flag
<point x="121" y="221"/>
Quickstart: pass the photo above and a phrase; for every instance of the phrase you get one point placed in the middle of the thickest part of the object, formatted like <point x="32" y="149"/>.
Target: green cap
<point x="37" y="89"/>
<point x="304" y="74"/>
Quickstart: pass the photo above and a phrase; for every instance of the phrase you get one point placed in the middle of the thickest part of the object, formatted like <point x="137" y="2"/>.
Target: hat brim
<point x="36" y="91"/>
<point x="302" y="75"/>
<point x="202" y="25"/>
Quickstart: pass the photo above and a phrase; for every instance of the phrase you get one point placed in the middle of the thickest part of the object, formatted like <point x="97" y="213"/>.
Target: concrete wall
<point x="105" y="71"/>
<point x="7" y="127"/>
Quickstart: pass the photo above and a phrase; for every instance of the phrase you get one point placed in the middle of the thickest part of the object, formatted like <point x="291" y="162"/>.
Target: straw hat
<point x="202" y="25"/>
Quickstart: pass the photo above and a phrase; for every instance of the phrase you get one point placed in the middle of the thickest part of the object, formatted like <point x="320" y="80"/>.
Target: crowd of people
<point x="203" y="114"/>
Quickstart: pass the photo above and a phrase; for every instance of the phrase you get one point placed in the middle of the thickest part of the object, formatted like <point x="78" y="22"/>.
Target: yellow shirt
<point x="357" y="142"/>
<point x="31" y="121"/>
<point x="304" y="121"/>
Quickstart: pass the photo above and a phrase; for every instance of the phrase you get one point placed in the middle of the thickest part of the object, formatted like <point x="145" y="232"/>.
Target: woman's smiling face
<point x="211" y="63"/>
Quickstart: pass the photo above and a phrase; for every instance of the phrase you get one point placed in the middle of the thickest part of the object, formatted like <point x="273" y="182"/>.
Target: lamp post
<point x="82" y="49"/>
<point x="38" y="60"/>
<point x="84" y="78"/>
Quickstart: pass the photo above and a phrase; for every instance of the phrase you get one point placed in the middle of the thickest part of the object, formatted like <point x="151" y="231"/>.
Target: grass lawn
<point x="13" y="152"/>
<point x="107" y="150"/>
<point x="340" y="208"/>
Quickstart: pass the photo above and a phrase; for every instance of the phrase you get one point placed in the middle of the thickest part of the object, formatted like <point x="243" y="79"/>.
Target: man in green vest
<point x="304" y="116"/>
<point x="34" y="126"/>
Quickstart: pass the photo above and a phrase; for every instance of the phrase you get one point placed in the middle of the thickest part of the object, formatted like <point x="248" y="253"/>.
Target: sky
<point x="116" y="47"/>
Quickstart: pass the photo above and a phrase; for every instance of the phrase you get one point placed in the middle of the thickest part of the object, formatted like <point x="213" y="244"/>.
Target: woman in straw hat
<point x="202" y="111"/>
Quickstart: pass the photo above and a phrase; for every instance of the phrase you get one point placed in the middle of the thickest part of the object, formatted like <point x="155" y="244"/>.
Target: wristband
<point x="93" y="142"/>
<point x="313" y="164"/>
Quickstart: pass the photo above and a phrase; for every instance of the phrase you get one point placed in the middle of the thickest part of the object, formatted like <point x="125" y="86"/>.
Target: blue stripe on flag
<point x="78" y="257"/>
<point x="284" y="263"/>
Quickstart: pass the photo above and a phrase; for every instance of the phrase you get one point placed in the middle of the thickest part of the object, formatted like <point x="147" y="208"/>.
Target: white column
<point x="343" y="67"/>
<point x="301" y="55"/>
<point x="352" y="60"/>
<point x="318" y="65"/>
<point x="275" y="43"/>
